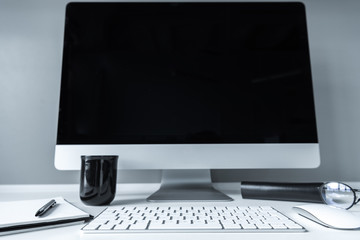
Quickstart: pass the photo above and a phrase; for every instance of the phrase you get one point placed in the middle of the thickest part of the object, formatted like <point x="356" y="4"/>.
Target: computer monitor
<point x="187" y="87"/>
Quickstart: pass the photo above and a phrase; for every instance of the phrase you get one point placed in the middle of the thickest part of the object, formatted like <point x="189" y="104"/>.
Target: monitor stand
<point x="187" y="185"/>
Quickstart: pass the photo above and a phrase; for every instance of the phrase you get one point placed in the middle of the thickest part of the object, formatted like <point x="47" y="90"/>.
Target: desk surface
<point x="136" y="194"/>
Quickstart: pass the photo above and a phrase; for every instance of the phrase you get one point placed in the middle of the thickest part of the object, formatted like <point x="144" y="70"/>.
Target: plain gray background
<point x="31" y="34"/>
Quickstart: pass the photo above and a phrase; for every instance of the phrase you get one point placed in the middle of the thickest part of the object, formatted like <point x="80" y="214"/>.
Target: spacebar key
<point x="183" y="226"/>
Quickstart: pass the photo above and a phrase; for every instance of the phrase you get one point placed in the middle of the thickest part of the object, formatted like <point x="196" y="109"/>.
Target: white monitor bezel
<point x="195" y="156"/>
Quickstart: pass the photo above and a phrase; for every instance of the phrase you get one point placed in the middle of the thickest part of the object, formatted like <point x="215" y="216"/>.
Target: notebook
<point x="19" y="216"/>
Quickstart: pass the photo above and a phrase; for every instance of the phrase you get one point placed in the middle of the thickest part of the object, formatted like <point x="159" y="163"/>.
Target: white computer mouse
<point x="329" y="216"/>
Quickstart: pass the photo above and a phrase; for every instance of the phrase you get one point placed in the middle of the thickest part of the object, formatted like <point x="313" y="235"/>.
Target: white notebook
<point x="19" y="216"/>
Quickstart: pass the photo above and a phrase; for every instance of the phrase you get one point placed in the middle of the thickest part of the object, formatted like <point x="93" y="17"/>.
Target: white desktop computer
<point x="187" y="87"/>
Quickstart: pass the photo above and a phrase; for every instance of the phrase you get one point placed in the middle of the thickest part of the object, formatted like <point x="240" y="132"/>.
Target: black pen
<point x="45" y="208"/>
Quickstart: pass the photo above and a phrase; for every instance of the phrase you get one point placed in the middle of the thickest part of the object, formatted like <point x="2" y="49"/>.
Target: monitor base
<point x="187" y="185"/>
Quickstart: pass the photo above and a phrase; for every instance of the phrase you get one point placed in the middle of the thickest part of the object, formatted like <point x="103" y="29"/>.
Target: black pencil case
<point x="300" y="192"/>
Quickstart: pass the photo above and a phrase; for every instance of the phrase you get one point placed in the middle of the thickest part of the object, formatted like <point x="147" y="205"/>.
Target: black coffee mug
<point x="98" y="179"/>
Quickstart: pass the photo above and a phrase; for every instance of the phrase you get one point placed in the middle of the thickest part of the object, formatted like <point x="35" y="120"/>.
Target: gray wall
<point x="31" y="33"/>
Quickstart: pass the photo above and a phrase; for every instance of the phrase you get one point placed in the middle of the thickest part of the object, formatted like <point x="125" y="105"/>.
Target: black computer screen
<point x="174" y="73"/>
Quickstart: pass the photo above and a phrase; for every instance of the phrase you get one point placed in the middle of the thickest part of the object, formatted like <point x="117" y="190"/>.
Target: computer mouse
<point x="329" y="216"/>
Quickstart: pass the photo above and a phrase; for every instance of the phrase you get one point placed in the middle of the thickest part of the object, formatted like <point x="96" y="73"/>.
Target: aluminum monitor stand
<point x="187" y="185"/>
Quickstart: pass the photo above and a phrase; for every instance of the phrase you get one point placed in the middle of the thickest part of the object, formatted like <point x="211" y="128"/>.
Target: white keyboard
<point x="129" y="219"/>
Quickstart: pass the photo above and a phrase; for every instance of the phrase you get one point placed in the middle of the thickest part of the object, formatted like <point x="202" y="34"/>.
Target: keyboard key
<point x="121" y="226"/>
<point x="138" y="226"/>
<point x="228" y="225"/>
<point x="106" y="227"/>
<point x="184" y="226"/>
<point x="248" y="226"/>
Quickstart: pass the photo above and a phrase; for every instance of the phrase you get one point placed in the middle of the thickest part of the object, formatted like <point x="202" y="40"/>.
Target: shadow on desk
<point x="127" y="202"/>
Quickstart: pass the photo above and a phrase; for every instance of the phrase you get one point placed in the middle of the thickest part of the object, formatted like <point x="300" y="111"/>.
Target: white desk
<point x="136" y="193"/>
